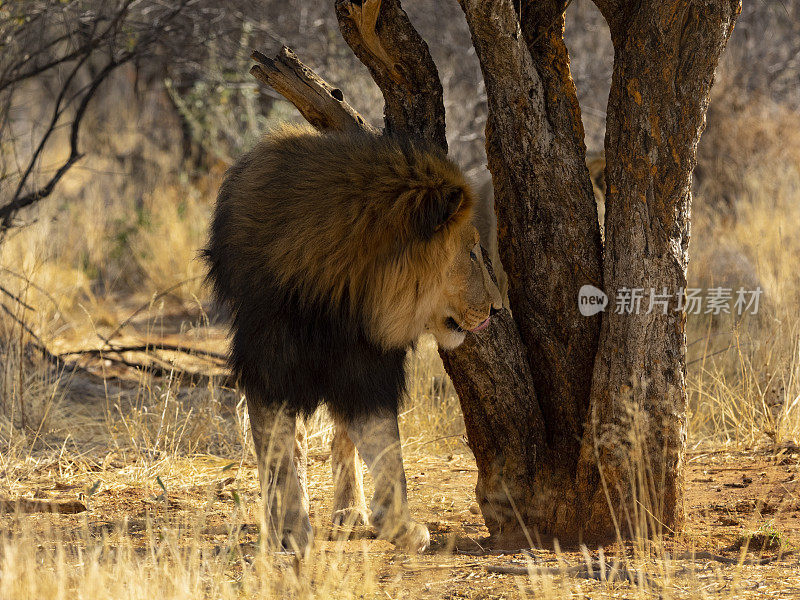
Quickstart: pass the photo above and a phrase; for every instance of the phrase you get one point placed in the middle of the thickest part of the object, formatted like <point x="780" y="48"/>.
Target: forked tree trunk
<point x="577" y="423"/>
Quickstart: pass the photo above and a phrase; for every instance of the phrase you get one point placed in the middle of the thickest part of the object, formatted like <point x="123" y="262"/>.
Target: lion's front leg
<point x="301" y="460"/>
<point x="377" y="438"/>
<point x="285" y="501"/>
<point x="349" y="504"/>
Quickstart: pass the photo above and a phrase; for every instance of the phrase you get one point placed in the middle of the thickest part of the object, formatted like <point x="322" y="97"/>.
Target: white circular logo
<point x="591" y="300"/>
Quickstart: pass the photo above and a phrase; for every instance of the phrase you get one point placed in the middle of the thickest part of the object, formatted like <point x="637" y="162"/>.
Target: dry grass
<point x="743" y="374"/>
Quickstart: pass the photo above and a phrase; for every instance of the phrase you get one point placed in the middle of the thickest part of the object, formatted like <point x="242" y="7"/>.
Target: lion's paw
<point x="297" y="540"/>
<point x="351" y="516"/>
<point x="296" y="535"/>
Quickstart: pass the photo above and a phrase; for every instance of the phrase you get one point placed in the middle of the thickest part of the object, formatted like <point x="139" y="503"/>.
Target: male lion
<point x="334" y="253"/>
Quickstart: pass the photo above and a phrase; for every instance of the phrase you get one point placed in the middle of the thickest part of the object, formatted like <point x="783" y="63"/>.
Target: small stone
<point x="474" y="508"/>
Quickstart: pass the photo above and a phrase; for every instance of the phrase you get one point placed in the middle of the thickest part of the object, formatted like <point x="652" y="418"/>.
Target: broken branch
<point x="23" y="505"/>
<point x="320" y="103"/>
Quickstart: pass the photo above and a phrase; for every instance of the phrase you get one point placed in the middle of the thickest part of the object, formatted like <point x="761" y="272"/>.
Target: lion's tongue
<point x="483" y="325"/>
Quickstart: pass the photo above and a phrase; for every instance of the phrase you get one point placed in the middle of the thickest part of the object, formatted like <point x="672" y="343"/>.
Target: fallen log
<point x="27" y="505"/>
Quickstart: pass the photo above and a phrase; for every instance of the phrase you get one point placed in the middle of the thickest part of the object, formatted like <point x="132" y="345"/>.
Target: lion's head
<point x="469" y="295"/>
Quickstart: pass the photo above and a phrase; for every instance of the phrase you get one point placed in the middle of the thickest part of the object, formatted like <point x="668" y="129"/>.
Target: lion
<point x="334" y="252"/>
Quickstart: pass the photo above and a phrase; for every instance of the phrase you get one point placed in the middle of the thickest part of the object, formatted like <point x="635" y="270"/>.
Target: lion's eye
<point x="473" y="256"/>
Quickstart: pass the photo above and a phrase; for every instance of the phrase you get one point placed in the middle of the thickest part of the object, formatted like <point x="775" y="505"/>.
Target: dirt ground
<point x="733" y="498"/>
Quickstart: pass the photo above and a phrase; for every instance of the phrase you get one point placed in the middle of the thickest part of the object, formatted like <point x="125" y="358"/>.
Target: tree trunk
<point x="577" y="423"/>
<point x="665" y="56"/>
<point x="550" y="246"/>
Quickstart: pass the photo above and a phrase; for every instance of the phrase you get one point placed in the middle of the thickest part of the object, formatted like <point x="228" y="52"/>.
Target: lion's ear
<point x="436" y="208"/>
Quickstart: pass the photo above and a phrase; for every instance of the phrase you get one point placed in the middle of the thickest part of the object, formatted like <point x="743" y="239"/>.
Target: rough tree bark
<point x="574" y="421"/>
<point x="665" y="56"/>
<point x="550" y="246"/>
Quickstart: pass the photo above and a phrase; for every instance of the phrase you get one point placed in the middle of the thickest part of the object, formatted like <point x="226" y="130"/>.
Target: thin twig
<point x="16" y="298"/>
<point x="84" y="50"/>
<point x="444" y="437"/>
<point x="24" y="326"/>
<point x="159" y="295"/>
<point x="58" y="111"/>
<point x="740" y="560"/>
<point x="596" y="570"/>
<point x="705" y="356"/>
<point x="155" y="370"/>
<point x="171" y="372"/>
<point x="19" y="202"/>
<point x="34" y="285"/>
<point x="147" y="348"/>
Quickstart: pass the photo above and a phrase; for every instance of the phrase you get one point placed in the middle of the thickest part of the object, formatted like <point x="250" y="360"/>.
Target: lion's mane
<point x="330" y="251"/>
